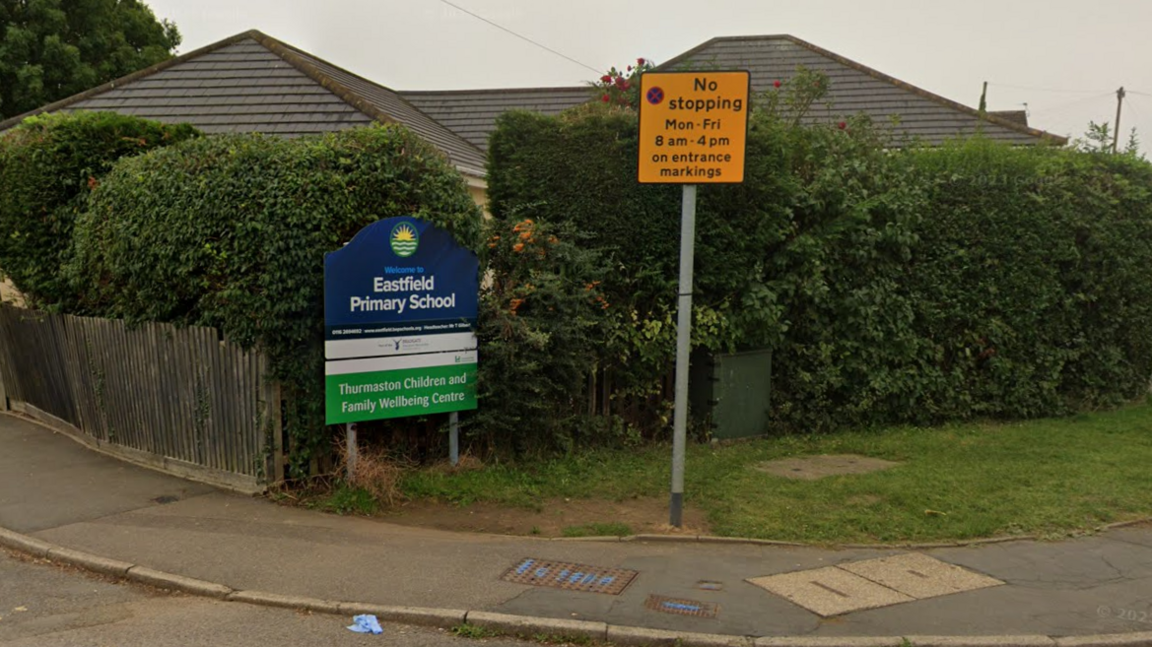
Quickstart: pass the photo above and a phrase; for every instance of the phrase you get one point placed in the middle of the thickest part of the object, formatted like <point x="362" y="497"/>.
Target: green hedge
<point x="917" y="286"/>
<point x="48" y="165"/>
<point x="231" y="232"/>
<point x="1032" y="278"/>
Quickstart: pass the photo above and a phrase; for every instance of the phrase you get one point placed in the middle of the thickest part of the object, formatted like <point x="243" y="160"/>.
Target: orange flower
<point x="518" y="247"/>
<point x="516" y="303"/>
<point x="526" y="235"/>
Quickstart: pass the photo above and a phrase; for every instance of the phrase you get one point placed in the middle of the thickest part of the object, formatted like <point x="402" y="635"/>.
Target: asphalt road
<point x="45" y="605"/>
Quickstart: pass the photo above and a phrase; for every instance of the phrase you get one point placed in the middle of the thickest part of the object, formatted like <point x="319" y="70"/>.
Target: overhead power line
<point x="521" y="37"/>
<point x="1064" y="106"/>
<point x="1054" y="90"/>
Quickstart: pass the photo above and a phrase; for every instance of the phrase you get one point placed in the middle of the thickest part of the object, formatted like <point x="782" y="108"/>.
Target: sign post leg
<point x="683" y="342"/>
<point x="454" y="438"/>
<point x="350" y="437"/>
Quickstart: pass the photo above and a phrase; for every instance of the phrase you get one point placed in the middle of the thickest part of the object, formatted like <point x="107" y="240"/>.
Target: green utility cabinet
<point x="729" y="392"/>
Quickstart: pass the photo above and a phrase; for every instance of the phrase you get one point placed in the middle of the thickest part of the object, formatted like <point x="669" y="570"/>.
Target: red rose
<point x="777" y="84"/>
<point x="639" y="61"/>
<point x="605" y="98"/>
<point x="606" y="78"/>
<point x="842" y="125"/>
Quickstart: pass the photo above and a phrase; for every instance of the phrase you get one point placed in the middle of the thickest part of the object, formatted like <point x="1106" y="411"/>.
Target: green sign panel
<point x="395" y="387"/>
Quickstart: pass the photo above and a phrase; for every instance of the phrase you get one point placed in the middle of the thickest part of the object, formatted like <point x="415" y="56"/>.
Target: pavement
<point x="60" y="500"/>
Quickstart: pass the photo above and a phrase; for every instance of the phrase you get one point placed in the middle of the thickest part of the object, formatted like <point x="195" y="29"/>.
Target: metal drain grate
<point x="682" y="607"/>
<point x="570" y="577"/>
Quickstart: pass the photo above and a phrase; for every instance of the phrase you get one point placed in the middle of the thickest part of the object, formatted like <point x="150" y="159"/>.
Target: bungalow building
<point x="252" y="82"/>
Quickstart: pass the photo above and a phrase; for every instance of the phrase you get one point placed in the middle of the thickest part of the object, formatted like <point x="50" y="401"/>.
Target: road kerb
<point x="95" y="563"/>
<point x="266" y="599"/>
<point x="642" y="637"/>
<point x="829" y="641"/>
<point x="666" y="538"/>
<point x="446" y="618"/>
<point x="24" y="543"/>
<point x="1142" y="639"/>
<point x="528" y="626"/>
<point x="163" y="580"/>
<point x="1027" y="640"/>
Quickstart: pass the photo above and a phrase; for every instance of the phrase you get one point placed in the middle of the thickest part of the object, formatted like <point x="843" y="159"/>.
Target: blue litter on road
<point x="366" y="624"/>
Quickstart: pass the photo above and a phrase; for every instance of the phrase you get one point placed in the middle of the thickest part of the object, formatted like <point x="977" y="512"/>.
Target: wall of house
<point x="480" y="197"/>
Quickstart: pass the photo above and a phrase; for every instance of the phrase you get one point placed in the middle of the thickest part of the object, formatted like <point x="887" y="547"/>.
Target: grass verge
<point x="962" y="481"/>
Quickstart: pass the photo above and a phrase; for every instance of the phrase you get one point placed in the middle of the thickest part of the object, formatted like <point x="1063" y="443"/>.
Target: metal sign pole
<point x="683" y="342"/>
<point x="454" y="438"/>
<point x="350" y="439"/>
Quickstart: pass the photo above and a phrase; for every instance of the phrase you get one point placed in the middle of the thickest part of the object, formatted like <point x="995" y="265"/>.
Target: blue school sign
<point x="400" y="305"/>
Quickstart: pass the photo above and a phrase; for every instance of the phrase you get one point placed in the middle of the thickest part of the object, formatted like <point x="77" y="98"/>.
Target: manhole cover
<point x="873" y="583"/>
<point x="570" y="577"/>
<point x="681" y="606"/>
<point x="810" y="468"/>
<point x="920" y="576"/>
<point x="830" y="591"/>
<point x="167" y="498"/>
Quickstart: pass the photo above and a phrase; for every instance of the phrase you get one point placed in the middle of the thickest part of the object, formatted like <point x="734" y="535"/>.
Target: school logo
<point x="404" y="240"/>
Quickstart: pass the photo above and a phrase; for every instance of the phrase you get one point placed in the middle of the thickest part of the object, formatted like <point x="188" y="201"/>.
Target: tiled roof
<point x="854" y="89"/>
<point x="254" y="83"/>
<point x="1015" y="116"/>
<point x="472" y="113"/>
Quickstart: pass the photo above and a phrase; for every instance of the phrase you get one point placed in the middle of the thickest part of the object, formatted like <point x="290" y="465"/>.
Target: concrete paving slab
<point x="830" y="591"/>
<point x="919" y="576"/>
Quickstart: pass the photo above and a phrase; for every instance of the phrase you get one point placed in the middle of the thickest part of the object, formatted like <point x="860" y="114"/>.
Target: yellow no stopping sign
<point x="693" y="127"/>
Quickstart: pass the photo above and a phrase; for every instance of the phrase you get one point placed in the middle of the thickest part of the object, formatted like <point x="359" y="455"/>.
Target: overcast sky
<point x="1064" y="58"/>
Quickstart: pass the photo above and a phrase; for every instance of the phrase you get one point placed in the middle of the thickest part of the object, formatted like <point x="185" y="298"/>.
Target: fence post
<point x="4" y="361"/>
<point x="275" y="422"/>
<point x="3" y="393"/>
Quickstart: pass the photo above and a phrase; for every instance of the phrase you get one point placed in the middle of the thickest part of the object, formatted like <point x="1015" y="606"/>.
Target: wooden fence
<point x="177" y="399"/>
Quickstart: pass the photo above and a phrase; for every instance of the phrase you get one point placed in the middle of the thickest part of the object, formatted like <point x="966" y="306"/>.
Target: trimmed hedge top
<point x="48" y="165"/>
